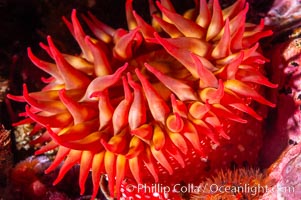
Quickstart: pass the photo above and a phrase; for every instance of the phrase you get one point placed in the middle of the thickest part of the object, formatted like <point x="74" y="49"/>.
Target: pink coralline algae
<point x="284" y="180"/>
<point x="163" y="102"/>
<point x="284" y="13"/>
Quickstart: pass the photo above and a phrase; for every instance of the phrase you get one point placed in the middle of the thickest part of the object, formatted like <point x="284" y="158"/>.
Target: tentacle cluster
<point x="143" y="98"/>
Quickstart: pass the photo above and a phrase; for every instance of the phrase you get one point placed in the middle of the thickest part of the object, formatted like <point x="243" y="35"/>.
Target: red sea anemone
<point x="153" y="102"/>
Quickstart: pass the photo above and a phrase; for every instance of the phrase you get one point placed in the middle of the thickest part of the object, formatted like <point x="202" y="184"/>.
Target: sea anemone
<point x="227" y="185"/>
<point x="26" y="178"/>
<point x="153" y="102"/>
